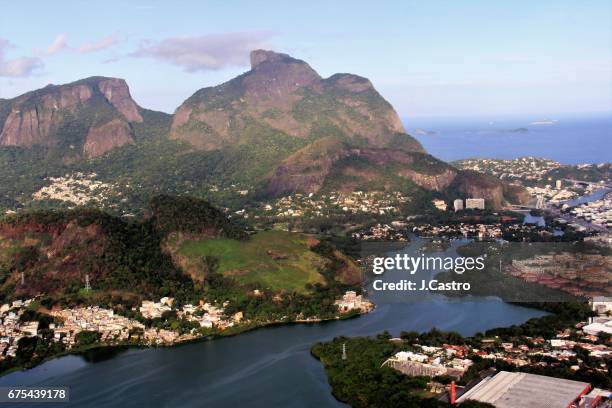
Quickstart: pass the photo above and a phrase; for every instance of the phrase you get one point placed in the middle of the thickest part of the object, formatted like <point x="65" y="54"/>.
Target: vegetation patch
<point x="277" y="260"/>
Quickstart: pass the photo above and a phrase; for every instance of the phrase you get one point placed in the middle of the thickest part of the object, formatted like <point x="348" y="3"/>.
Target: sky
<point x="428" y="58"/>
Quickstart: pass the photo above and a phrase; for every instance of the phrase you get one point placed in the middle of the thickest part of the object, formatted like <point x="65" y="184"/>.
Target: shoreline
<point x="81" y="350"/>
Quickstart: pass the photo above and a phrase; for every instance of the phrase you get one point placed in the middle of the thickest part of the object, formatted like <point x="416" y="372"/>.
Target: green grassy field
<point x="253" y="261"/>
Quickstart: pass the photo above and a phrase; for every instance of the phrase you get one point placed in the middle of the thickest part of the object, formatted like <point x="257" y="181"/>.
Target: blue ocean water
<point x="568" y="139"/>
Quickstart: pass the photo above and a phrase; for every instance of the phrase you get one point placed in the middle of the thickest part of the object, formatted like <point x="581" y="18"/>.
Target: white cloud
<point x="99" y="45"/>
<point x="60" y="43"/>
<point x="17" y="67"/>
<point x="205" y="52"/>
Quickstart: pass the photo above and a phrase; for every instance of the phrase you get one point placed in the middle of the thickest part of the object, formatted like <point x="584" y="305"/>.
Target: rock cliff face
<point x="474" y="184"/>
<point x="106" y="137"/>
<point x="91" y="116"/>
<point x="331" y="162"/>
<point x="116" y="92"/>
<point x="434" y="182"/>
<point x="287" y="95"/>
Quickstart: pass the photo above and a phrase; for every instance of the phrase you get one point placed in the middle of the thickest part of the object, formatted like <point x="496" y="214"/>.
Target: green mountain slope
<point x="176" y="250"/>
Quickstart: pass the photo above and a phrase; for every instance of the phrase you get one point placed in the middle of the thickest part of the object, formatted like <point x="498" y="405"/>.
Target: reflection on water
<point x="99" y="354"/>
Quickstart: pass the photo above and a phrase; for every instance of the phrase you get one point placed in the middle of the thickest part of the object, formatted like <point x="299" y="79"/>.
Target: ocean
<point x="568" y="139"/>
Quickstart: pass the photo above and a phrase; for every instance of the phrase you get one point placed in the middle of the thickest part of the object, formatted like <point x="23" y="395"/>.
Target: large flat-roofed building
<point x="521" y="390"/>
<point x="474" y="203"/>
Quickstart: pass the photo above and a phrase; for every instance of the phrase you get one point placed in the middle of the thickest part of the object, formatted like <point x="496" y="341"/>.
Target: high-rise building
<point x="474" y="203"/>
<point x="558" y="184"/>
<point x="458" y="204"/>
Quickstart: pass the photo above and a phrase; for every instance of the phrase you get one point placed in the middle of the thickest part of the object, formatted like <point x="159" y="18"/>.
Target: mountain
<point x="319" y="132"/>
<point x="285" y="94"/>
<point x="85" y="118"/>
<point x="305" y="133"/>
<point x="277" y="129"/>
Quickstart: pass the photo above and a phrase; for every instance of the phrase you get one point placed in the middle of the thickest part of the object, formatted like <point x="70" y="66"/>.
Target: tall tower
<point x="87" y="285"/>
<point x="343" y="351"/>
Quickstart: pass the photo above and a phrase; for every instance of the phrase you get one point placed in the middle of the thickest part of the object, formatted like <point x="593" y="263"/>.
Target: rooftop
<point x="511" y="390"/>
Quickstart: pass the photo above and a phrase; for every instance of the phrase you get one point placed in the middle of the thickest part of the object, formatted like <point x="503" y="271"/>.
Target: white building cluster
<point x="373" y="202"/>
<point x="113" y="328"/>
<point x="352" y="301"/>
<point x="11" y="329"/>
<point x="602" y="322"/>
<point x="77" y="189"/>
<point x="209" y="316"/>
<point x="205" y="314"/>
<point x="555" y="194"/>
<point x="470" y="204"/>
<point x="431" y="361"/>
<point x="382" y="232"/>
<point x="153" y="310"/>
<point x="597" y="212"/>
<point x="521" y="169"/>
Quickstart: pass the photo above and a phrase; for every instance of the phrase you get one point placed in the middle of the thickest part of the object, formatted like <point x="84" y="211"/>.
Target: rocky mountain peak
<point x="275" y="76"/>
<point x="260" y="56"/>
<point x="116" y="91"/>
<point x="102" y="106"/>
<point x="285" y="94"/>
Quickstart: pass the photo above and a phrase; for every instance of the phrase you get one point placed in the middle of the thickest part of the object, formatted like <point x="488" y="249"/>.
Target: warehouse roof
<point x="513" y="390"/>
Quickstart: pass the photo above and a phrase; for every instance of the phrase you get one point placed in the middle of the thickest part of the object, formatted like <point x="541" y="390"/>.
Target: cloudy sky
<point x="428" y="58"/>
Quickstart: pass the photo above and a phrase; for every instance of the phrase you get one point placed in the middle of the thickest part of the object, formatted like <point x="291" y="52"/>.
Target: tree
<point x="87" y="337"/>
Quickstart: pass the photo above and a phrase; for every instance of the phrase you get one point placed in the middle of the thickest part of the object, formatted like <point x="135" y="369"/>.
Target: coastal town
<point x="371" y="204"/>
<point x="509" y="227"/>
<point x="112" y="329"/>
<point x="555" y="190"/>
<point x="356" y="202"/>
<point x="532" y="171"/>
<point x="521" y="170"/>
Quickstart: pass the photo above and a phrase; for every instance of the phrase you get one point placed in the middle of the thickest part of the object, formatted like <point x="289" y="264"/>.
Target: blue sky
<point x="428" y="58"/>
